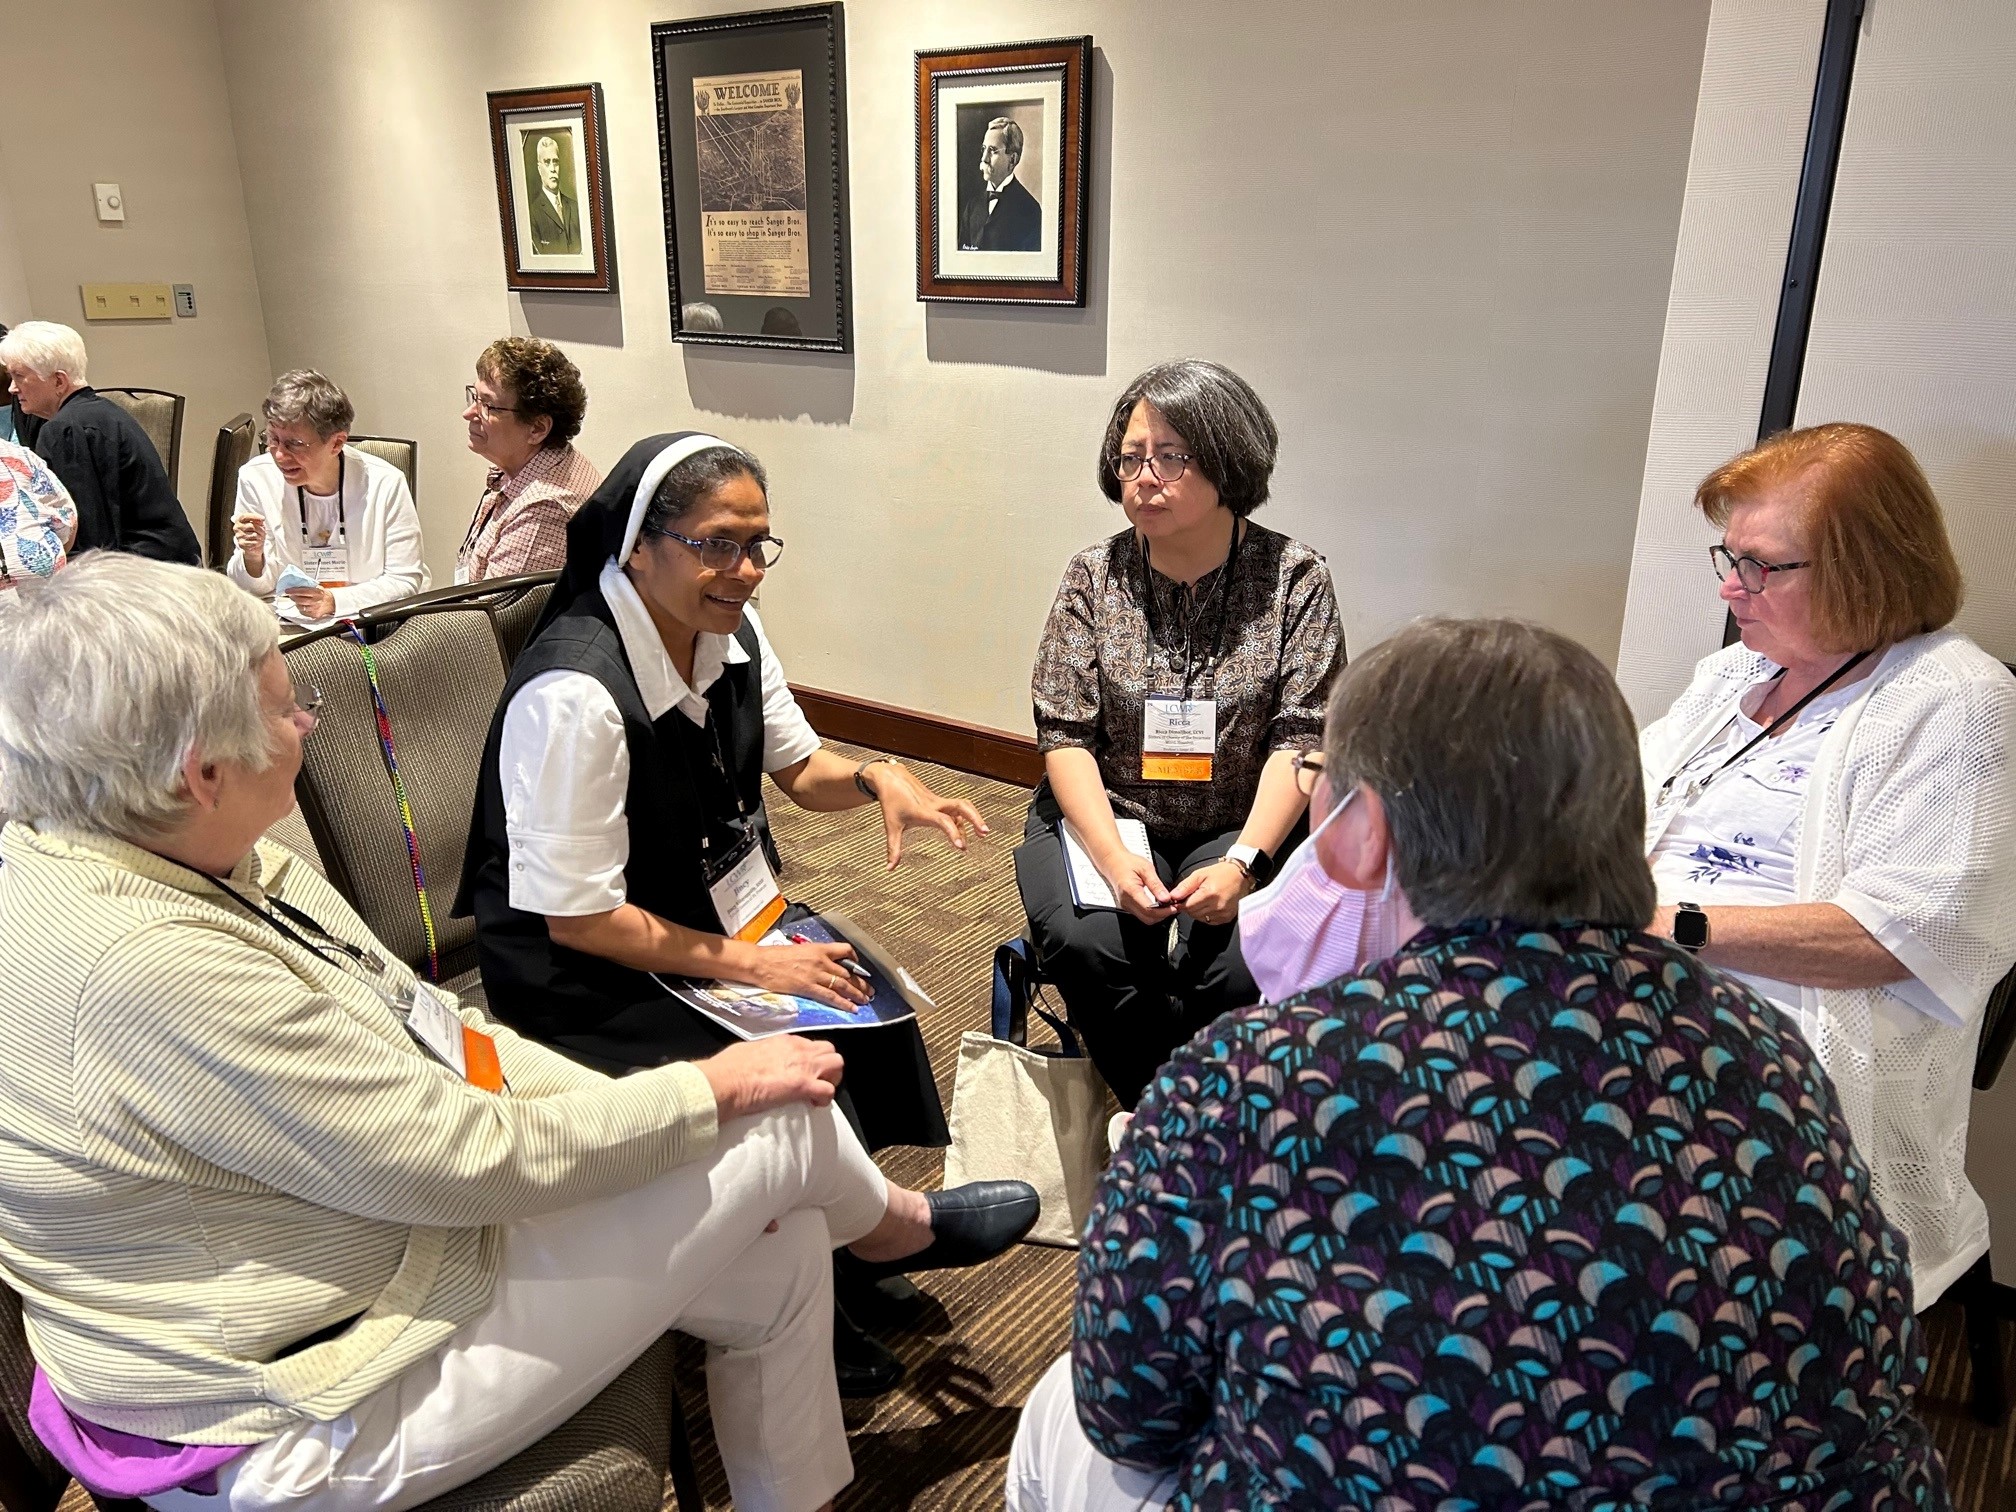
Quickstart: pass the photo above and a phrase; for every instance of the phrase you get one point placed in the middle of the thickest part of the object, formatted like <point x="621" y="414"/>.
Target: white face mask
<point x="1306" y="928"/>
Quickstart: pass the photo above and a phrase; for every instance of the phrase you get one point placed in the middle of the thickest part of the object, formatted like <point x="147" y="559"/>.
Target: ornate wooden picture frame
<point x="550" y="150"/>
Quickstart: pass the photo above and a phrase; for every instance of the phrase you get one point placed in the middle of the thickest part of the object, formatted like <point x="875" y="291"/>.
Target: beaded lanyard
<point x="399" y="791"/>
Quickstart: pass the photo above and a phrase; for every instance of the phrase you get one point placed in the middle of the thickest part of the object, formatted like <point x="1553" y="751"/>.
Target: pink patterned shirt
<point x="520" y="523"/>
<point x="38" y="520"/>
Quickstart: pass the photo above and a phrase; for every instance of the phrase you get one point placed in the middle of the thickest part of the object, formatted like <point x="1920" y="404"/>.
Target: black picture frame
<point x="572" y="114"/>
<point x="955" y="264"/>
<point x="733" y="268"/>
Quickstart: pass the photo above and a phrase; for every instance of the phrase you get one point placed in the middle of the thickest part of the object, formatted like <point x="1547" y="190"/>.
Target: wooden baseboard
<point x="965" y="747"/>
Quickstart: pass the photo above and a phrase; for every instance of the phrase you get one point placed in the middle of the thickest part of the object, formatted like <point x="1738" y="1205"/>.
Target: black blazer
<point x="555" y="233"/>
<point x="1015" y="226"/>
<point x="124" y="501"/>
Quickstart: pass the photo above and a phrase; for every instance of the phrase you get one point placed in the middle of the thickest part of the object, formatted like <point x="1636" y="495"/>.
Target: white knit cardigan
<point x="1910" y="827"/>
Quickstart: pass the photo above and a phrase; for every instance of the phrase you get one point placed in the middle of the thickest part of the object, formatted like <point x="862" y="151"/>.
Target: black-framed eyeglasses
<point x="1752" y="572"/>
<point x="719" y="554"/>
<point x="1308" y="767"/>
<point x="1166" y="468"/>
<point x="488" y="408"/>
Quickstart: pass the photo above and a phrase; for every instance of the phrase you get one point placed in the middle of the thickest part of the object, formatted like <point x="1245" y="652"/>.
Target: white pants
<point x="1054" y="1468"/>
<point x="583" y="1292"/>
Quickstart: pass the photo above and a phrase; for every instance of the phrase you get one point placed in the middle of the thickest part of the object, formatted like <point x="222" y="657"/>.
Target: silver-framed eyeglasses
<point x="1166" y="468"/>
<point x="492" y="410"/>
<point x="1752" y="572"/>
<point x="293" y="446"/>
<point x="719" y="554"/>
<point x="1308" y="766"/>
<point x="307" y="700"/>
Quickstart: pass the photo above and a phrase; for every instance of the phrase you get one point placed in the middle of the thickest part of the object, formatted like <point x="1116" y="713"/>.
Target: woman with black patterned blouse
<point x="1534" y="1211"/>
<point x="1185" y="661"/>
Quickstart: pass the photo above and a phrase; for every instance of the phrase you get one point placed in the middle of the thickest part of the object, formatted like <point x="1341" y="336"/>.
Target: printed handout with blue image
<point x="756" y="1013"/>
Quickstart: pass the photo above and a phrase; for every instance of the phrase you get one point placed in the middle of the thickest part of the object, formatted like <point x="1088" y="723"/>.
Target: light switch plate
<point x="132" y="301"/>
<point x="111" y="203"/>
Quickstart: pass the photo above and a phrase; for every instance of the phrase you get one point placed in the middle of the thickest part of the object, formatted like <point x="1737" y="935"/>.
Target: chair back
<point x="404" y="455"/>
<point x="160" y="415"/>
<point x="517" y="615"/>
<point x="441" y="672"/>
<point x="30" y="1478"/>
<point x="237" y="440"/>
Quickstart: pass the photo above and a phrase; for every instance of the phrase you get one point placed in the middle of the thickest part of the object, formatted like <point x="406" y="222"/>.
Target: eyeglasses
<point x="1166" y="468"/>
<point x="719" y="554"/>
<point x="1750" y="571"/>
<point x="493" y="410"/>
<point x="1308" y="767"/>
<point x="307" y="700"/>
<point x="290" y="445"/>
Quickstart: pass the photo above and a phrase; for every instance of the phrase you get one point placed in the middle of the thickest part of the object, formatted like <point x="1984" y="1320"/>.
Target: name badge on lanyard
<point x="746" y="897"/>
<point x="326" y="561"/>
<point x="1179" y="736"/>
<point x="469" y="1053"/>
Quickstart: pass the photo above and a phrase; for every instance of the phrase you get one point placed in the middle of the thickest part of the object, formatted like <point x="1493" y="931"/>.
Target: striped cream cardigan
<point x="213" y="1143"/>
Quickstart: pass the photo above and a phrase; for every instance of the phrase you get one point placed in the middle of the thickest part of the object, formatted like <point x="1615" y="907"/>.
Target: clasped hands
<point x="1210" y="894"/>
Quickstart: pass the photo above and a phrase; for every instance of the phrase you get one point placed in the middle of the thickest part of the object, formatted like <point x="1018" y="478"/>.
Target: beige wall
<point x="1437" y="238"/>
<point x="132" y="91"/>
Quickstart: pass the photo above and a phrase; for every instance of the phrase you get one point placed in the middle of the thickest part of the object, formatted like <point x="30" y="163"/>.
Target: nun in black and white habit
<point x="619" y="827"/>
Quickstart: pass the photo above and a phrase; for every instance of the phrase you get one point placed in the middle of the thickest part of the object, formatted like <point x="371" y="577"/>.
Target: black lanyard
<point x="1222" y="589"/>
<point x="301" y="503"/>
<point x="287" y="914"/>
<point x="1697" y="788"/>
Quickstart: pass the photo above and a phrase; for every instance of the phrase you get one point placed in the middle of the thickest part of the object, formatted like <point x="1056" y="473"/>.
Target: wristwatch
<point x="1253" y="861"/>
<point x="862" y="782"/>
<point x="1690" y="926"/>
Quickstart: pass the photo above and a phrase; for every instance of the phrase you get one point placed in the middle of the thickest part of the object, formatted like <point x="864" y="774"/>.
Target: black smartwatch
<point x="1690" y="926"/>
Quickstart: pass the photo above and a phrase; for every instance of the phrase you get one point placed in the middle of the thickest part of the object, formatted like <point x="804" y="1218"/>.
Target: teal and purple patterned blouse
<point x="1516" y="1218"/>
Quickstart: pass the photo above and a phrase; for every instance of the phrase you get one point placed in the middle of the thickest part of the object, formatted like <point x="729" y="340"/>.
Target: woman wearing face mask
<point x="1184" y="663"/>
<point x="619" y="827"/>
<point x="1506" y="1217"/>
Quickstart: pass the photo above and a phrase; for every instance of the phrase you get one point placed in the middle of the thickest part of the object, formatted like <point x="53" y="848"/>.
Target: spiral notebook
<point x="1088" y="888"/>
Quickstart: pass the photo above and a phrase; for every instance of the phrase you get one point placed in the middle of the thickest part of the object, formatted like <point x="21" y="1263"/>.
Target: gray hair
<point x="1231" y="436"/>
<point x="46" y="349"/>
<point x="1507" y="763"/>
<point x="135" y="664"/>
<point x="305" y="397"/>
<point x="1011" y="134"/>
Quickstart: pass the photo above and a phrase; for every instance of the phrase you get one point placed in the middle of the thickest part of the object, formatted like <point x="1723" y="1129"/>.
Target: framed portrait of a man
<point x="552" y="189"/>
<point x="1002" y="170"/>
<point x="752" y="134"/>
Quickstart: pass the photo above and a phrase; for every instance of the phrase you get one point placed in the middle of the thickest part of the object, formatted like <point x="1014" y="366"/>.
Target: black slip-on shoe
<point x="890" y="1304"/>
<point x="862" y="1366"/>
<point x="969" y="1224"/>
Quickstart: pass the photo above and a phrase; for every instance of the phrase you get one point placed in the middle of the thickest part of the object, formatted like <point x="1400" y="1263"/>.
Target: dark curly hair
<point x="1224" y="423"/>
<point x="541" y="380"/>
<point x="694" y="480"/>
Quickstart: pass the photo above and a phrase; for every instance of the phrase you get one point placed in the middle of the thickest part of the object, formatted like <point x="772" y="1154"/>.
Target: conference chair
<point x="404" y="455"/>
<point x="237" y="440"/>
<point x="611" y="1456"/>
<point x="389" y="840"/>
<point x="160" y="415"/>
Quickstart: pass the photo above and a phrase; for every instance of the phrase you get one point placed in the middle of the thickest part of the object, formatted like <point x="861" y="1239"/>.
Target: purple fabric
<point x="112" y="1463"/>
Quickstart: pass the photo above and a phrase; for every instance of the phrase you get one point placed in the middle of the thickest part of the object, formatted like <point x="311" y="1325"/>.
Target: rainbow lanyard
<point x="399" y="791"/>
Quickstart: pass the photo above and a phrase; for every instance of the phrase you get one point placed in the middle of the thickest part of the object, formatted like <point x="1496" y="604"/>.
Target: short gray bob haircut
<point x="1231" y="437"/>
<point x="46" y="349"/>
<point x="1507" y="763"/>
<point x="136" y="663"/>
<point x="305" y="397"/>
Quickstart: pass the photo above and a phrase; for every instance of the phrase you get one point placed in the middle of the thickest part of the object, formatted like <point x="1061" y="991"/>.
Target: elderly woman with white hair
<point x="125" y="501"/>
<point x="314" y="502"/>
<point x="282" y="1216"/>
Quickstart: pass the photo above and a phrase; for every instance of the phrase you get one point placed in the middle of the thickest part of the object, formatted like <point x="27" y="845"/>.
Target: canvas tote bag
<point x="1028" y="1115"/>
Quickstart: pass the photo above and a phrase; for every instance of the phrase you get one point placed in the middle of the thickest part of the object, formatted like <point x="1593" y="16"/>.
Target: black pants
<point x="1131" y="992"/>
<point x="886" y="1091"/>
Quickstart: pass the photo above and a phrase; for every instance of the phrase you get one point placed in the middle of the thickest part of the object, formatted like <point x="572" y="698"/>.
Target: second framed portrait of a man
<point x="1002" y="172"/>
<point x="552" y="187"/>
